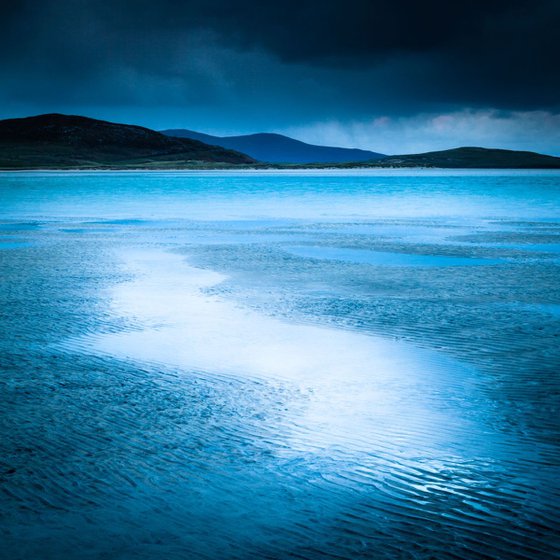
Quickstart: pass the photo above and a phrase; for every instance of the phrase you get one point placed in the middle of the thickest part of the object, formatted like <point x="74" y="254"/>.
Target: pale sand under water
<point x="357" y="387"/>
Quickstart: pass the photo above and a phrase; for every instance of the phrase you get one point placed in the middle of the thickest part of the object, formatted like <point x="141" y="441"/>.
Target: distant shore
<point x="357" y="171"/>
<point x="72" y="142"/>
<point x="265" y="168"/>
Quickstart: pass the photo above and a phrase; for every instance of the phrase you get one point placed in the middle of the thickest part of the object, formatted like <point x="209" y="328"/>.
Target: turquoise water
<point x="280" y="365"/>
<point x="383" y="258"/>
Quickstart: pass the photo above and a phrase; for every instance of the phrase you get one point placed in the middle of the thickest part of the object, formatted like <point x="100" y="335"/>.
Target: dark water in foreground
<point x="232" y="366"/>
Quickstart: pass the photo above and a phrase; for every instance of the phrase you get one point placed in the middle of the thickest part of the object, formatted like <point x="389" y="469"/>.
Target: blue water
<point x="279" y="365"/>
<point x="383" y="258"/>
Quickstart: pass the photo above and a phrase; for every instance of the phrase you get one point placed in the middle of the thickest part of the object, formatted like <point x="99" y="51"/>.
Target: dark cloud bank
<point x="240" y="66"/>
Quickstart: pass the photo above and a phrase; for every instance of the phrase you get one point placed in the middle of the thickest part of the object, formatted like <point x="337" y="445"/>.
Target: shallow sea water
<point x="278" y="365"/>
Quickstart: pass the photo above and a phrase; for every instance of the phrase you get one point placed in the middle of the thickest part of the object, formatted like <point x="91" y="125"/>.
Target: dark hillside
<point x="55" y="140"/>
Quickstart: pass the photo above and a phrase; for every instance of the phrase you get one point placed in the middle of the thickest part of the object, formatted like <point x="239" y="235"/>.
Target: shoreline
<point x="290" y="170"/>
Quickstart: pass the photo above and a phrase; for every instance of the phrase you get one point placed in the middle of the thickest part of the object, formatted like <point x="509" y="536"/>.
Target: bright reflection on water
<point x="353" y="383"/>
<point x="280" y="365"/>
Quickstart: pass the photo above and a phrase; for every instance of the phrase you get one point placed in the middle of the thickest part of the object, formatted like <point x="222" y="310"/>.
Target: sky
<point x="393" y="76"/>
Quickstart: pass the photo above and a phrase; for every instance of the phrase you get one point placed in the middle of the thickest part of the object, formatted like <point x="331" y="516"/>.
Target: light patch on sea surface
<point x="383" y="258"/>
<point x="9" y="238"/>
<point x="530" y="247"/>
<point x="358" y="389"/>
<point x="13" y="244"/>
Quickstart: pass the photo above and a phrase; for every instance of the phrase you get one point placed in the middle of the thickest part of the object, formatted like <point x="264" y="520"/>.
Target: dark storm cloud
<point x="353" y="56"/>
<point x="497" y="51"/>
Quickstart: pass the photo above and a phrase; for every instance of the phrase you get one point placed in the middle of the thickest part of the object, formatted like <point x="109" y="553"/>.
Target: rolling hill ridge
<point x="55" y="141"/>
<point x="277" y="148"/>
<point x="474" y="158"/>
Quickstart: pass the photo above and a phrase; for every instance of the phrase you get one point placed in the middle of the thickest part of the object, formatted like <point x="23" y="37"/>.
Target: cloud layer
<point x="242" y="66"/>
<point x="539" y="130"/>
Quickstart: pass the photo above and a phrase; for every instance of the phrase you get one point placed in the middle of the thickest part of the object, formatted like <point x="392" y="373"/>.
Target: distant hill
<point x="276" y="148"/>
<point x="473" y="158"/>
<point x="57" y="141"/>
<point x="63" y="141"/>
